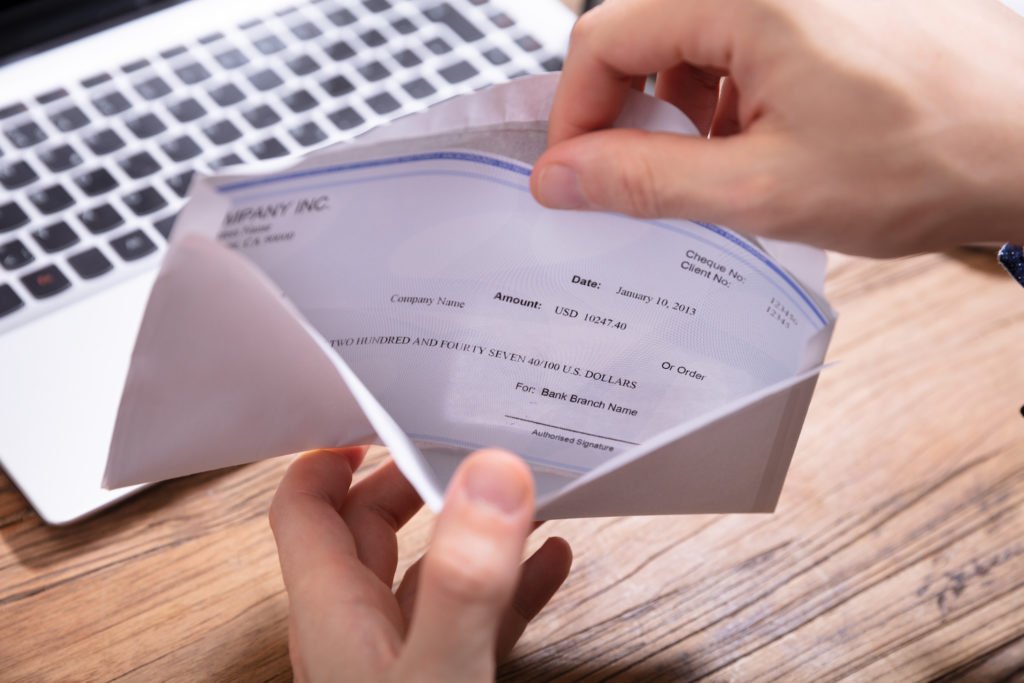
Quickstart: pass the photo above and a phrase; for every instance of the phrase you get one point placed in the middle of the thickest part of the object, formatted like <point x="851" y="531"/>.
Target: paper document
<point x="408" y="290"/>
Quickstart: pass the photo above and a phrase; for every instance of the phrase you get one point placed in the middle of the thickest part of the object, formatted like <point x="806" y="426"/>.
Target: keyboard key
<point x="419" y="88"/>
<point x="374" y="71"/>
<point x="341" y="17"/>
<point x="9" y="301"/>
<point x="211" y="38"/>
<point x="90" y="263"/>
<point x="14" y="255"/>
<point x="377" y="5"/>
<point x="52" y="96"/>
<point x="164" y="226"/>
<point x="55" y="237"/>
<point x="46" y="282"/>
<point x="552" y="64"/>
<point x="152" y="88"/>
<point x="299" y="101"/>
<point x="346" y="118"/>
<point x="187" y="110"/>
<point x="458" y="72"/>
<point x="373" y="38"/>
<point x="26" y="135"/>
<point x="271" y="148"/>
<point x="180" y="183"/>
<point x="11" y="216"/>
<point x="181" y="148"/>
<point x="51" y="200"/>
<point x="145" y="201"/>
<point x="502" y="20"/>
<point x="222" y="132"/>
<point x="137" y="65"/>
<point x="227" y="160"/>
<point x="404" y="26"/>
<point x="496" y="56"/>
<point x="96" y="182"/>
<point x="60" y="158"/>
<point x="226" y="95"/>
<point x="261" y="117"/>
<point x="337" y="86"/>
<point x="308" y="134"/>
<point x="12" y="109"/>
<point x="173" y="52"/>
<point x="140" y="165"/>
<point x="528" y="43"/>
<point x="339" y="51"/>
<point x="133" y="246"/>
<point x="69" y="119"/>
<point x="302" y="65"/>
<point x="438" y="46"/>
<point x="407" y="58"/>
<point x="450" y="17"/>
<point x="232" y="59"/>
<point x="265" y="80"/>
<point x="112" y="103"/>
<point x="146" y="126"/>
<point x="383" y="103"/>
<point x="268" y="45"/>
<point x="192" y="73"/>
<point x="93" y="81"/>
<point x="100" y="219"/>
<point x="17" y="174"/>
<point x="306" y="31"/>
<point x="104" y="142"/>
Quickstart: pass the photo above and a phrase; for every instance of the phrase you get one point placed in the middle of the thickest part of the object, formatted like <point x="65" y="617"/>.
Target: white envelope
<point x="234" y="362"/>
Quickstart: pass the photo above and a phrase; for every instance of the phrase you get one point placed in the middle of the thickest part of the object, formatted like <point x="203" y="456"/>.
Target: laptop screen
<point x="30" y="25"/>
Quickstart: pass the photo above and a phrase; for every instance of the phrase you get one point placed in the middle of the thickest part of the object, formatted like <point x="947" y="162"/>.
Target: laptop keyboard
<point x="93" y="173"/>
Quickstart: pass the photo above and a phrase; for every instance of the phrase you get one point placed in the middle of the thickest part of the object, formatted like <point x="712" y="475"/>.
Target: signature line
<point x="574" y="431"/>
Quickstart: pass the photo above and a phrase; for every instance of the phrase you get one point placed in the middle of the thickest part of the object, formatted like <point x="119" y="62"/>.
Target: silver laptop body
<point x="99" y="136"/>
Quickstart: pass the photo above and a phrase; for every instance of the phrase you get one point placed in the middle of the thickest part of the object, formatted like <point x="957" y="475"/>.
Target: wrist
<point x="1009" y="192"/>
<point x="984" y="193"/>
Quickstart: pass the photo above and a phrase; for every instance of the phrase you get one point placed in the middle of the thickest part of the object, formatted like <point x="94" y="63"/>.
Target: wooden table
<point x="897" y="551"/>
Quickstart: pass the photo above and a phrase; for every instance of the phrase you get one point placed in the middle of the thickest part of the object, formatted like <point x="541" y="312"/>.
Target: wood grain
<point x="896" y="553"/>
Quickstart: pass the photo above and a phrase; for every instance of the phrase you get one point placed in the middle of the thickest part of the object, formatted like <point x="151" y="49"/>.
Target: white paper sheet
<point x="429" y="304"/>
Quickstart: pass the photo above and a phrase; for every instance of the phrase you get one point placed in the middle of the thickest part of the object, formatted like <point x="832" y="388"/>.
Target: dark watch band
<point x="1012" y="258"/>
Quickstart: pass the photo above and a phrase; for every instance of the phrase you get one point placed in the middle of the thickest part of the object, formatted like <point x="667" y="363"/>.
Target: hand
<point x="877" y="128"/>
<point x="457" y="610"/>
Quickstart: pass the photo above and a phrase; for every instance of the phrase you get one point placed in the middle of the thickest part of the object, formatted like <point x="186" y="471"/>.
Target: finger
<point x="471" y="571"/>
<point x="329" y="589"/>
<point x="407" y="590"/>
<point x="727" y="116"/>
<point x="542" y="575"/>
<point x="623" y="39"/>
<point x="306" y="505"/>
<point x="406" y="593"/>
<point x="693" y="90"/>
<point x="375" y="510"/>
<point x="656" y="174"/>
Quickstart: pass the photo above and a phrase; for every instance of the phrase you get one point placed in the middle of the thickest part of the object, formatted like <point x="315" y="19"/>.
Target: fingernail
<point x="495" y="482"/>
<point x="559" y="188"/>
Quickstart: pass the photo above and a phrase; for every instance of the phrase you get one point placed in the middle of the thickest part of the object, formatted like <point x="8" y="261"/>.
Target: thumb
<point x="724" y="180"/>
<point x="472" y="568"/>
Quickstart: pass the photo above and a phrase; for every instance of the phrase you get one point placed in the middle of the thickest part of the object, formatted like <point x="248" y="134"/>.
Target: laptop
<point x="107" y="108"/>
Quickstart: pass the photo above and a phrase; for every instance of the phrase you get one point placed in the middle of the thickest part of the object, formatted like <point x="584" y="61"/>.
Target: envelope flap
<point x="223" y="373"/>
<point x="736" y="462"/>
